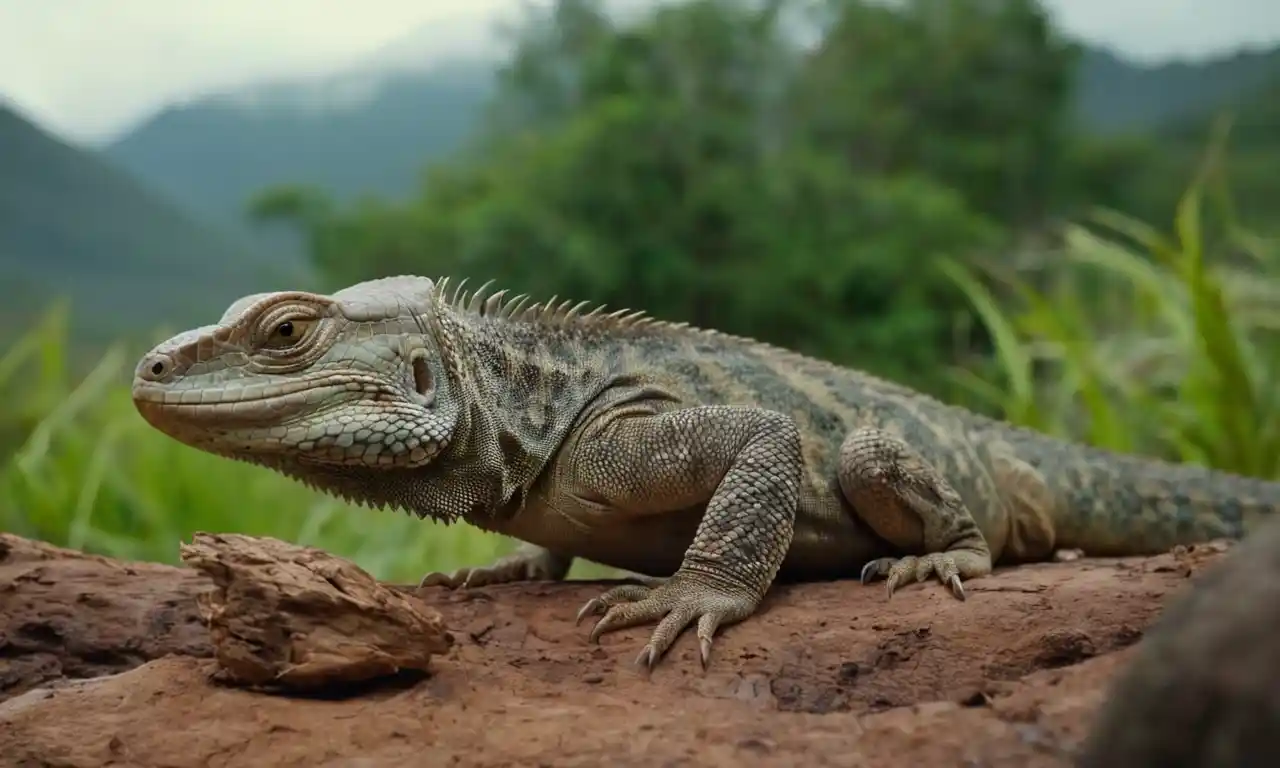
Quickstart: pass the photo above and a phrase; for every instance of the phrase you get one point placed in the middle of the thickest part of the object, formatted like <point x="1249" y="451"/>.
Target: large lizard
<point x="713" y="464"/>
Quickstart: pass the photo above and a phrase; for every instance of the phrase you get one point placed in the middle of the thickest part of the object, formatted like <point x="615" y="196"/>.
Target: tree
<point x="973" y="93"/>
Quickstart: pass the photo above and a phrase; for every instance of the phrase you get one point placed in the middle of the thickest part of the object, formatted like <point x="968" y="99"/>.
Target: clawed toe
<point x="648" y="657"/>
<point x="593" y="607"/>
<point x="901" y="571"/>
<point x="627" y="593"/>
<point x="441" y="579"/>
<point x="674" y="606"/>
<point x="876" y="568"/>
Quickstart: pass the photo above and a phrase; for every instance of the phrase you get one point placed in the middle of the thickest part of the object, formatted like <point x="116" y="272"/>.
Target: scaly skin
<point x="716" y="463"/>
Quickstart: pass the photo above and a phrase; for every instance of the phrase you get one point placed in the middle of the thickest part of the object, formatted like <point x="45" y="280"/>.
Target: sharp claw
<point x="704" y="652"/>
<point x="598" y="630"/>
<point x="957" y="588"/>
<point x="437" y="580"/>
<point x="865" y="577"/>
<point x="593" y="607"/>
<point x="647" y="658"/>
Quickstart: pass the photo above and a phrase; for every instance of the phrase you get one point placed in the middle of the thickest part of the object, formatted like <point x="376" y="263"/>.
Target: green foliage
<point x="1143" y="341"/>
<point x="972" y="92"/>
<point x="80" y="468"/>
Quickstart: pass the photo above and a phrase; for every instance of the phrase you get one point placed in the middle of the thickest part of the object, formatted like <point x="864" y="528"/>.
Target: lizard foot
<point x="674" y="604"/>
<point x="519" y="566"/>
<point x="902" y="571"/>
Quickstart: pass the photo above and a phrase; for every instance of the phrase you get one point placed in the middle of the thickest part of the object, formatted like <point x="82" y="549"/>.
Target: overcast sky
<point x="85" y="68"/>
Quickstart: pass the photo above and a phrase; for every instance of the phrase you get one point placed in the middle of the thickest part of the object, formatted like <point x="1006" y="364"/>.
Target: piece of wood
<point x="70" y="615"/>
<point x="300" y="618"/>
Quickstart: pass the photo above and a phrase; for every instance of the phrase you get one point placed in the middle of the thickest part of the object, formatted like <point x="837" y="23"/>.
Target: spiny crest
<point x="570" y="316"/>
<point x="565" y="315"/>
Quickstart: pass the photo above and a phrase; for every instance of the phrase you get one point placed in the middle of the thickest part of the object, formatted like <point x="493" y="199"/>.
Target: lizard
<point x="1203" y="687"/>
<point x="713" y="465"/>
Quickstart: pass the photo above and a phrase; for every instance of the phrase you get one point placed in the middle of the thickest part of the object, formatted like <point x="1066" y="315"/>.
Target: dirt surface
<point x="107" y="663"/>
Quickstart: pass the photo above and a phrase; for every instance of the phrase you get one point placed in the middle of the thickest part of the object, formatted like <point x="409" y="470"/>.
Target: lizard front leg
<point x="527" y="563"/>
<point x="744" y="464"/>
<point x="907" y="502"/>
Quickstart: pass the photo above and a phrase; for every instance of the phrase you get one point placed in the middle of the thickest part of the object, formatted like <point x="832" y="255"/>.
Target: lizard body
<point x="715" y="462"/>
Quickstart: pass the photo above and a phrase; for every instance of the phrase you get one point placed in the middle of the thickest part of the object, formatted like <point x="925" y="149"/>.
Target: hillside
<point x="352" y="136"/>
<point x="74" y="226"/>
<point x="1117" y="94"/>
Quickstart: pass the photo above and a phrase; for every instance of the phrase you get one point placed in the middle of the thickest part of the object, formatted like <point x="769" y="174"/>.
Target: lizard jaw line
<point x="227" y="407"/>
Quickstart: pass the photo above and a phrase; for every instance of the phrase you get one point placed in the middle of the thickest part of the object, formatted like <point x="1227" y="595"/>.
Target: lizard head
<point x="310" y="384"/>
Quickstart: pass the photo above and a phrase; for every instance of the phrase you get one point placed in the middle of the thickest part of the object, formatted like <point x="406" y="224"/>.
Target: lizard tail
<point x="1114" y="504"/>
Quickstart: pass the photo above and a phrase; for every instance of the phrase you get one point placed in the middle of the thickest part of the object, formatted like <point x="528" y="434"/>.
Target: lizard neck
<point x="522" y="388"/>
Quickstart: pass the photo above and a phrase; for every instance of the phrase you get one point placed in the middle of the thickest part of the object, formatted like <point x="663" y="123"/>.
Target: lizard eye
<point x="288" y="333"/>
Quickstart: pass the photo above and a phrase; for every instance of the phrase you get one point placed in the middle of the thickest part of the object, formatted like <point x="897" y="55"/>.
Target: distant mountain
<point x="360" y="134"/>
<point x="1116" y="94"/>
<point x="73" y="225"/>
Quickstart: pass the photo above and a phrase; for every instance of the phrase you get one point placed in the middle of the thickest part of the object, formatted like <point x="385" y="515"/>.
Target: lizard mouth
<point x="162" y="406"/>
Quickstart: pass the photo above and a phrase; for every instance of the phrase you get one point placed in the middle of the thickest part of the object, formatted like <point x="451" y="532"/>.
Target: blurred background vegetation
<point x="949" y="193"/>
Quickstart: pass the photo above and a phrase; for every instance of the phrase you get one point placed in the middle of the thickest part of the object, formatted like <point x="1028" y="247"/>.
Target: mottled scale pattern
<point x="708" y="464"/>
<point x="748" y="466"/>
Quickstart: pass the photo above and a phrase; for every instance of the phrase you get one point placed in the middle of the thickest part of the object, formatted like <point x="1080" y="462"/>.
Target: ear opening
<point x="423" y="382"/>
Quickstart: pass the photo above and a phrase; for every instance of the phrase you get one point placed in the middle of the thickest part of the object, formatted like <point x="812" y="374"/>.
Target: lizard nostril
<point x="156" y="368"/>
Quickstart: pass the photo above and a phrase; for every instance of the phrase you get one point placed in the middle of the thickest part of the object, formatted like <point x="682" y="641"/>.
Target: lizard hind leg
<point x="907" y="502"/>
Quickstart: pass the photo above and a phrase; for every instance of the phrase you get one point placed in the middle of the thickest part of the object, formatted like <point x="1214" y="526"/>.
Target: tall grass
<point x="1138" y="340"/>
